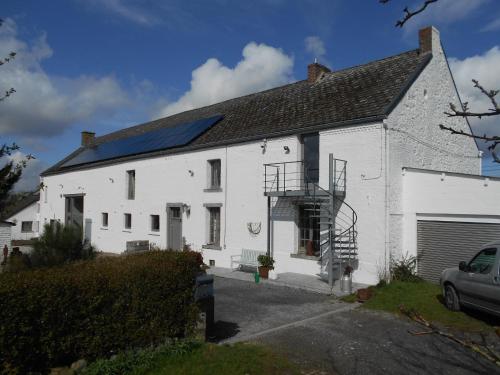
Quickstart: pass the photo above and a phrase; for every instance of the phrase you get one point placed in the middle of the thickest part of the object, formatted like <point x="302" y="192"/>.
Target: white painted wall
<point x="433" y="195"/>
<point x="29" y="213"/>
<point x="5" y="238"/>
<point x="415" y="139"/>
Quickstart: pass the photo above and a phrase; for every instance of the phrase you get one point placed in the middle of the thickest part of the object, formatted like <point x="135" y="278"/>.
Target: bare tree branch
<point x="493" y="140"/>
<point x="408" y="13"/>
<point x="8" y="93"/>
<point x="482" y="349"/>
<point x="465" y="110"/>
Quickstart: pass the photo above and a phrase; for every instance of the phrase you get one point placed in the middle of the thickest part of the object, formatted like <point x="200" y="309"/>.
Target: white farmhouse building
<point x="347" y="166"/>
<point x="25" y="215"/>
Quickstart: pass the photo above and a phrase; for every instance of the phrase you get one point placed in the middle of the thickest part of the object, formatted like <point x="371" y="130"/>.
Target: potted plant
<point x="266" y="263"/>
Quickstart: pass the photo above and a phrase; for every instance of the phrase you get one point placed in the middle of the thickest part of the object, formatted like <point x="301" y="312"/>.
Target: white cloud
<point x="492" y="26"/>
<point x="44" y="105"/>
<point x="315" y="46"/>
<point x="127" y="11"/>
<point x="262" y="67"/>
<point x="485" y="69"/>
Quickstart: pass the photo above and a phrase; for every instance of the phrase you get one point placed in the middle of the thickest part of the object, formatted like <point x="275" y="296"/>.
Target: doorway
<point x="310" y="154"/>
<point x="74" y="211"/>
<point x="174" y="227"/>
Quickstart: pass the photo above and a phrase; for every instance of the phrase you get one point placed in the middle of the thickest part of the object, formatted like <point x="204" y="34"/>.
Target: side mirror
<point x="462" y="266"/>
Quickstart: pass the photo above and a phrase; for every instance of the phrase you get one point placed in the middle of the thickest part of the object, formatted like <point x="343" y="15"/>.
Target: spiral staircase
<point x="337" y="243"/>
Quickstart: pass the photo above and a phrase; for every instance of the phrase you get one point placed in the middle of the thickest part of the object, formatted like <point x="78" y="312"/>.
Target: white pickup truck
<point x="476" y="283"/>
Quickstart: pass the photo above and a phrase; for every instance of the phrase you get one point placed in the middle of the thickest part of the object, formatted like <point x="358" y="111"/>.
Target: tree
<point x="492" y="140"/>
<point x="11" y="172"/>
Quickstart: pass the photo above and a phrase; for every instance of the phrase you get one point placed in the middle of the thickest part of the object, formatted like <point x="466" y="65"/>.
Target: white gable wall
<point x="416" y="140"/>
<point x="29" y="213"/>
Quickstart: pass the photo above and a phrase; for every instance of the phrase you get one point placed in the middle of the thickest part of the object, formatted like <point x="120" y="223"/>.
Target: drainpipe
<point x="386" y="199"/>
<point x="269" y="226"/>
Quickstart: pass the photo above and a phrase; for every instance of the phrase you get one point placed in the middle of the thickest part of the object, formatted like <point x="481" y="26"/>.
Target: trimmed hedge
<point x="92" y="309"/>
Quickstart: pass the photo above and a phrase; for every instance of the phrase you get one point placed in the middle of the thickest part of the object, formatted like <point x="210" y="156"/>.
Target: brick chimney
<point x="315" y="70"/>
<point x="87" y="138"/>
<point x="429" y="40"/>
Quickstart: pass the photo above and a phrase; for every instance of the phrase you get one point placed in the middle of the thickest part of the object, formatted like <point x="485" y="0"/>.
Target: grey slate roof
<point x="363" y="92"/>
<point x="21" y="205"/>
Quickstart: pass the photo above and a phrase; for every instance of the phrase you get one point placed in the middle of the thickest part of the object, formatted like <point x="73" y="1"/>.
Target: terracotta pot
<point x="264" y="272"/>
<point x="364" y="294"/>
<point x="310" y="248"/>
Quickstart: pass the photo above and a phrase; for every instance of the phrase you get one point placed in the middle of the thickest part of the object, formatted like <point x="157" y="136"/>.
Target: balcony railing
<point x="289" y="177"/>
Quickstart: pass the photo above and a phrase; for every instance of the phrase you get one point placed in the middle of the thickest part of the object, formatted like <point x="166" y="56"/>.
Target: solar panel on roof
<point x="154" y="140"/>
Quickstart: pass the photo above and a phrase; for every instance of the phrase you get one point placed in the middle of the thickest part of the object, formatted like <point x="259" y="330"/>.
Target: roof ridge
<point x="255" y="93"/>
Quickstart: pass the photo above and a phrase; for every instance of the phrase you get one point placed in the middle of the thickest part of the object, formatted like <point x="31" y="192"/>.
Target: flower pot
<point x="364" y="294"/>
<point x="264" y="272"/>
<point x="310" y="248"/>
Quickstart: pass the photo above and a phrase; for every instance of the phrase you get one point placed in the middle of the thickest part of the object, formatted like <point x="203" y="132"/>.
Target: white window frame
<point x="214" y="182"/>
<point x="31" y="227"/>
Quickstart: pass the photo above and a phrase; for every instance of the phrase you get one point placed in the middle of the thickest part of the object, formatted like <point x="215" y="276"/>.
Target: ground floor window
<point x="27" y="226"/>
<point x="309" y="236"/>
<point x="214" y="226"/>
<point x="128" y="221"/>
<point x="155" y="223"/>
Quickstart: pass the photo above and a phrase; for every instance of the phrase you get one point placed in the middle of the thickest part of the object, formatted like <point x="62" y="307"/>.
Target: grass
<point x="426" y="299"/>
<point x="196" y="358"/>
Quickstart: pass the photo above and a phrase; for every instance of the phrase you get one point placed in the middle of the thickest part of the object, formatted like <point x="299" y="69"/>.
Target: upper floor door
<point x="310" y="151"/>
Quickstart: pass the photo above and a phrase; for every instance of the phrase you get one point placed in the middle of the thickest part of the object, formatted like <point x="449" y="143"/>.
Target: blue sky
<point x="102" y="65"/>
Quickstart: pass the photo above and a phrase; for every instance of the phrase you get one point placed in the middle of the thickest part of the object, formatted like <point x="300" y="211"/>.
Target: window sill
<point x="211" y="247"/>
<point x="104" y="228"/>
<point x="213" y="190"/>
<point x="127" y="231"/>
<point x="156" y="234"/>
<point x="306" y="257"/>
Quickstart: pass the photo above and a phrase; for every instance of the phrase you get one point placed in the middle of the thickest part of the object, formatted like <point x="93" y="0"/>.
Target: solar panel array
<point x="154" y="140"/>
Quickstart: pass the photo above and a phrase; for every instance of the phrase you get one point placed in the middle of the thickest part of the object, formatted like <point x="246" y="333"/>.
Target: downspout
<point x="386" y="200"/>
<point x="269" y="225"/>
<point x="225" y="199"/>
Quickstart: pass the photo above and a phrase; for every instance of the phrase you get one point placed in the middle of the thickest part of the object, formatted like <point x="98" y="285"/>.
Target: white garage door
<point x="443" y="244"/>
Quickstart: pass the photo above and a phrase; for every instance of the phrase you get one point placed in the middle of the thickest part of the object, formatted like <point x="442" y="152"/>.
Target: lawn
<point x="197" y="358"/>
<point x="425" y="298"/>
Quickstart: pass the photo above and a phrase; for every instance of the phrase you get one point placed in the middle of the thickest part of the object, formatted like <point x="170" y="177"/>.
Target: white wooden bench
<point x="247" y="258"/>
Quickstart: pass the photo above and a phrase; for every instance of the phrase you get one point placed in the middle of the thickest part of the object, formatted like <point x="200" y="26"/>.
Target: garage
<point x="443" y="244"/>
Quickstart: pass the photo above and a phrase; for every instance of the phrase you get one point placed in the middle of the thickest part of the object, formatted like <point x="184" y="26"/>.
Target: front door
<point x="74" y="211"/>
<point x="174" y="227"/>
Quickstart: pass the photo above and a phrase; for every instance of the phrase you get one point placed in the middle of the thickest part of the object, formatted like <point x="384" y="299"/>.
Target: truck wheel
<point x="451" y="298"/>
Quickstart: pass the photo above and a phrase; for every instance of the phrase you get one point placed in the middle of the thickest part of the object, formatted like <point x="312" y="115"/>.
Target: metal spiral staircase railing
<point x="337" y="243"/>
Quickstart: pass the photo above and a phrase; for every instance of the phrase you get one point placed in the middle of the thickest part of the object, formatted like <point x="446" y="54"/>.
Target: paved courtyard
<point x="321" y="333"/>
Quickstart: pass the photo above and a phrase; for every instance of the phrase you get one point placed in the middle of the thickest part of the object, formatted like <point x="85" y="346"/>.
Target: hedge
<point x="93" y="309"/>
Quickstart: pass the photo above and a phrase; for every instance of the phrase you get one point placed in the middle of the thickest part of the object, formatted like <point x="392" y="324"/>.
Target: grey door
<point x="74" y="211"/>
<point x="444" y="244"/>
<point x="311" y="157"/>
<point x="174" y="228"/>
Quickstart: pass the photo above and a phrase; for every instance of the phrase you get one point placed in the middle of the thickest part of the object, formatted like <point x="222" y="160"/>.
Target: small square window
<point x="104" y="217"/>
<point x="27" y="226"/>
<point x="155" y="223"/>
<point x="128" y="221"/>
<point x="214" y="174"/>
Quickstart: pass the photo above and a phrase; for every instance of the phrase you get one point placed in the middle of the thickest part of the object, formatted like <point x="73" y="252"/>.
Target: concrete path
<point x="320" y="333"/>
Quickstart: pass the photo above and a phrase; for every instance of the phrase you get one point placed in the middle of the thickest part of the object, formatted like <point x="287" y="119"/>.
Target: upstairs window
<point x="104" y="219"/>
<point x="27" y="226"/>
<point x="214" y="174"/>
<point x="128" y="221"/>
<point x="155" y="223"/>
<point x="131" y="184"/>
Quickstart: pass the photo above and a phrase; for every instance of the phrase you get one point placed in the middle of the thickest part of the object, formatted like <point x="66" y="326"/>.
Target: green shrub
<point x="91" y="309"/>
<point x="405" y="269"/>
<point x="60" y="244"/>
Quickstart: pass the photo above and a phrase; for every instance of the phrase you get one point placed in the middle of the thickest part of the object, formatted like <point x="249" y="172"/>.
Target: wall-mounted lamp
<point x="111" y="180"/>
<point x="287" y="149"/>
<point x="263" y="146"/>
<point x="186" y="208"/>
<point x="61" y="186"/>
<point x="191" y="173"/>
